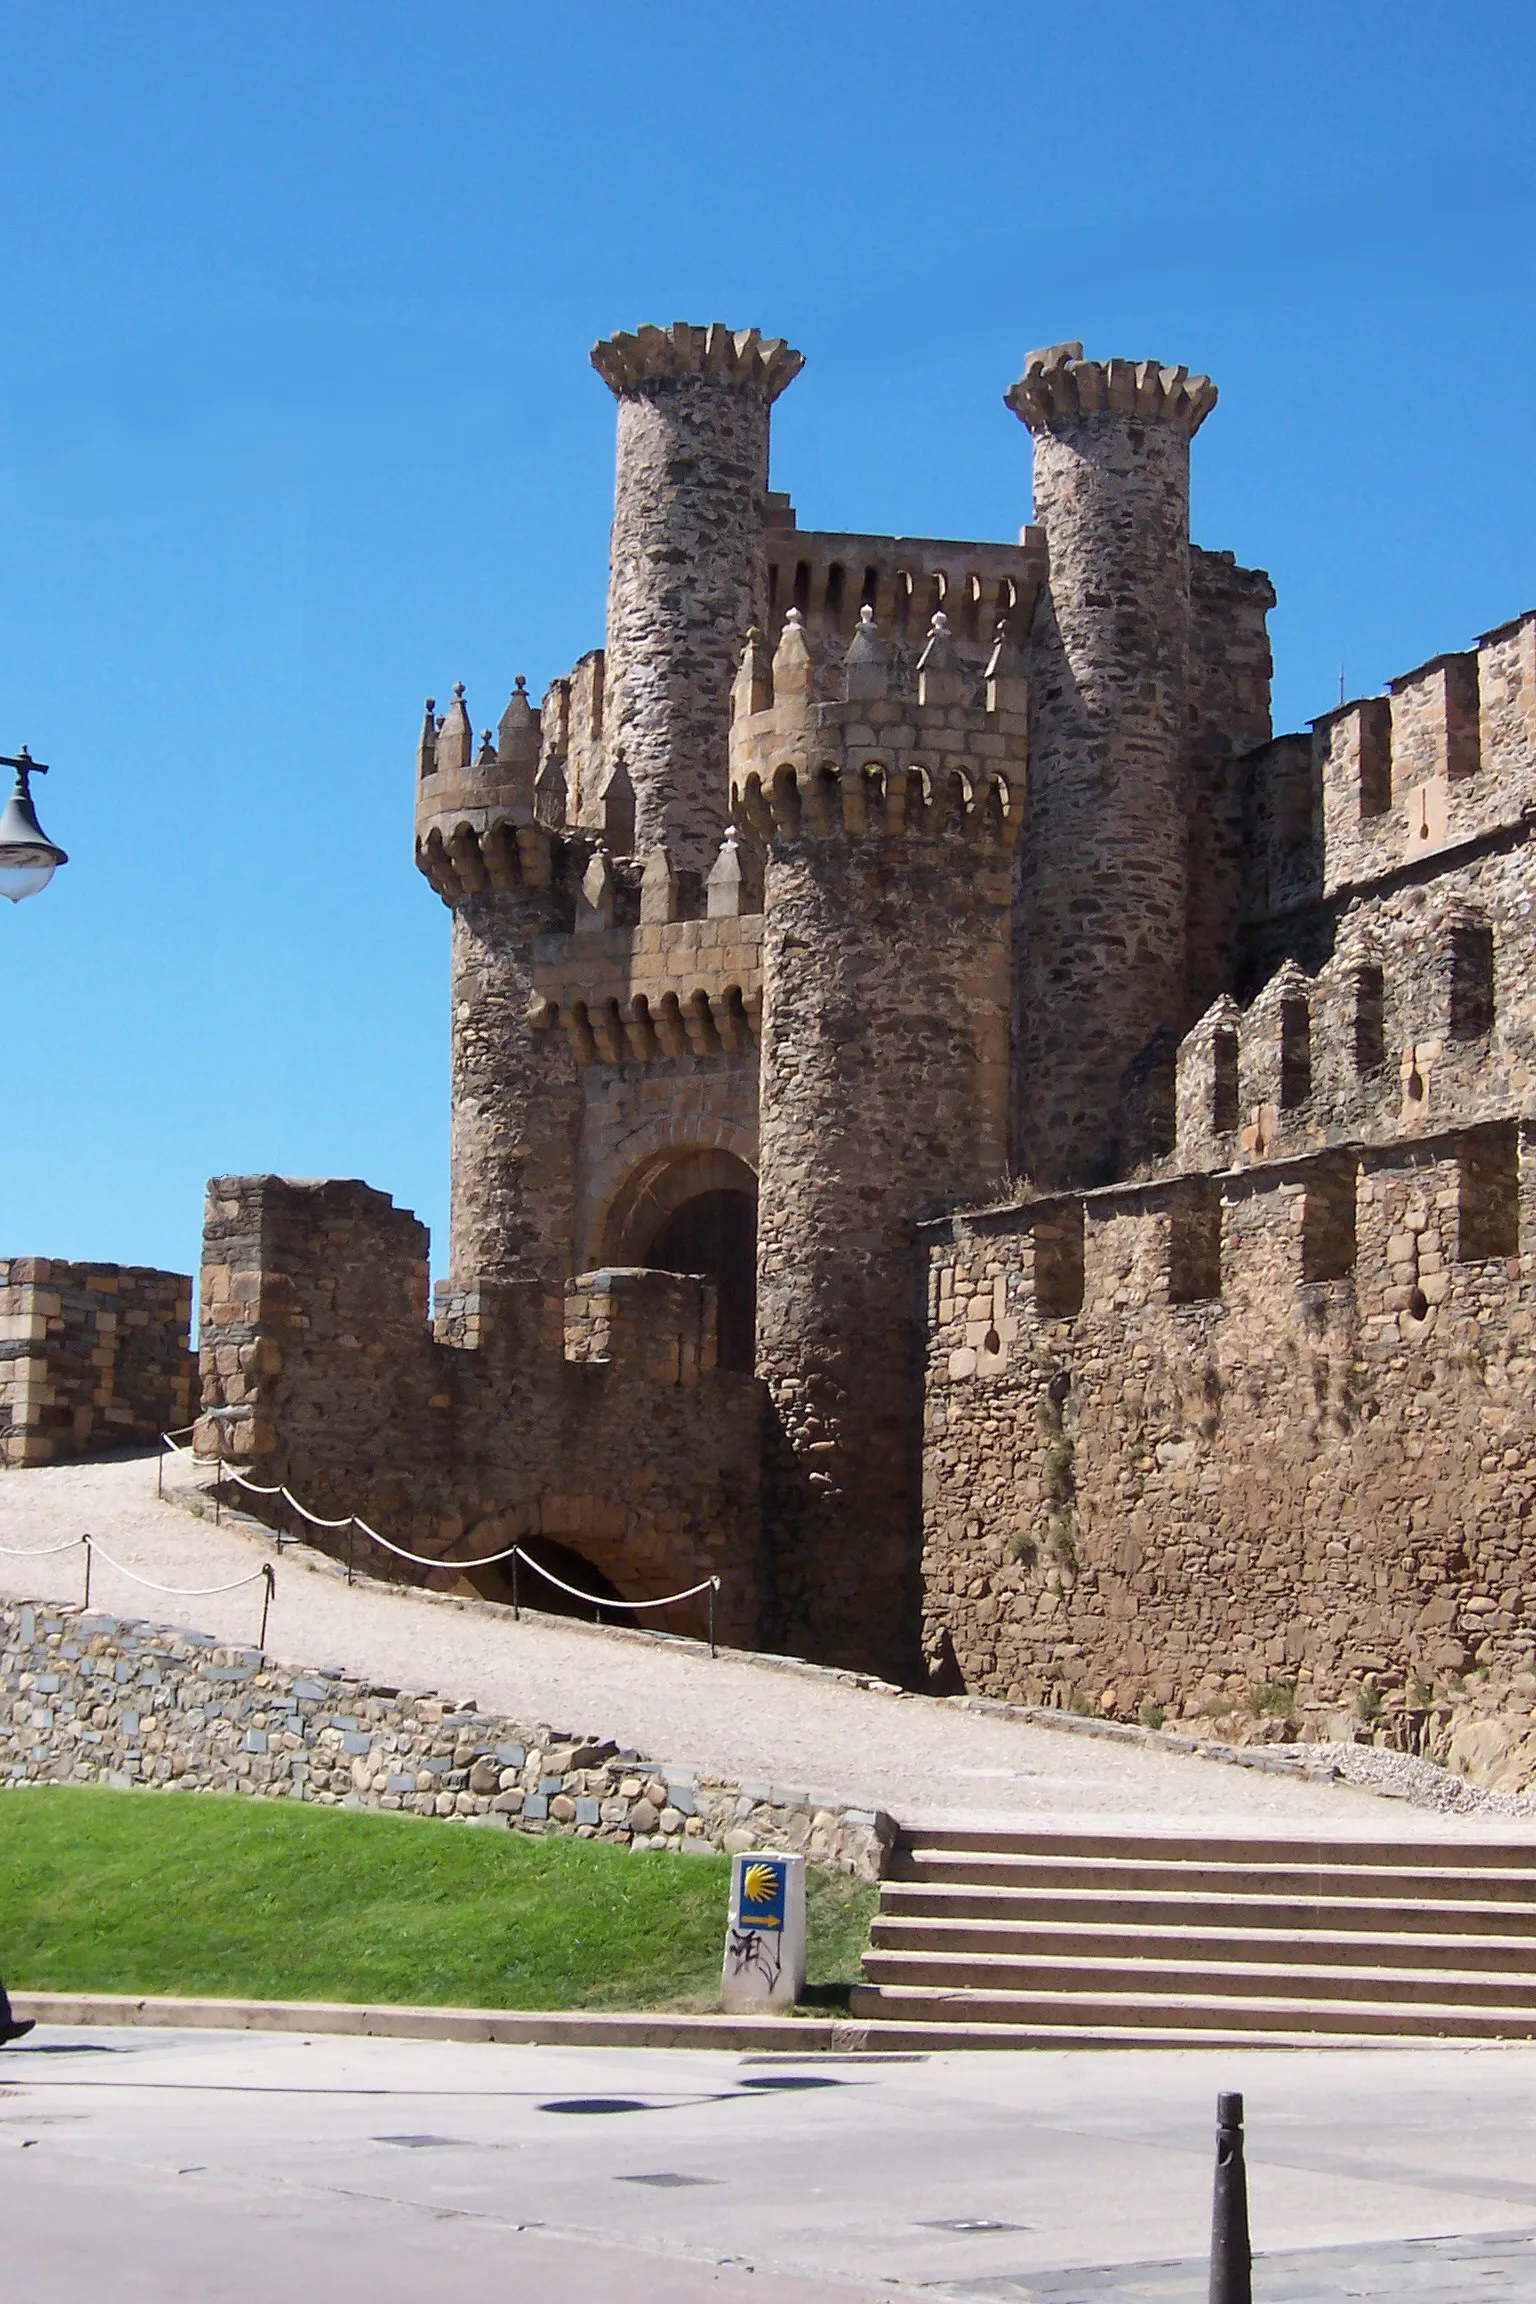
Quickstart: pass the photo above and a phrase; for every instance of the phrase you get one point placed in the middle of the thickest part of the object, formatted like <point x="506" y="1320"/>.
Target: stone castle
<point x="956" y="1130"/>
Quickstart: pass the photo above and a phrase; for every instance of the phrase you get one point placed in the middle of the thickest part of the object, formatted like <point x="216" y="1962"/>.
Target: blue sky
<point x="296" y="425"/>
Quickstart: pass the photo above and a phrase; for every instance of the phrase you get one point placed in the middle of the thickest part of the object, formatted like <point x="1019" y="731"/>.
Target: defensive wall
<point x="92" y="1356"/>
<point x="590" y="1420"/>
<point x="1191" y="1436"/>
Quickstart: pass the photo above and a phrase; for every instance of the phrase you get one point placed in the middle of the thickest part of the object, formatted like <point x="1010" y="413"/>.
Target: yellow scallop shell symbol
<point x="758" y="1884"/>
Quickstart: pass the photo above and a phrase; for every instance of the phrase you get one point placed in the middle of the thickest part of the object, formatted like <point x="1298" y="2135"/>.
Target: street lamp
<point x="28" y="858"/>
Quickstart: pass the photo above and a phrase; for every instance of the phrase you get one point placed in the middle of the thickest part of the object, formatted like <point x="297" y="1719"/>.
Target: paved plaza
<point x="226" y="2168"/>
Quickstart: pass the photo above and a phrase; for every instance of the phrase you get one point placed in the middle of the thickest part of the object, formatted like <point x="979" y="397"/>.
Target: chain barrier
<point x="354" y="1525"/>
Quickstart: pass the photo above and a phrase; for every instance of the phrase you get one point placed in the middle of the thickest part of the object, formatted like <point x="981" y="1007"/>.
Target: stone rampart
<point x="594" y="1416"/>
<point x="1444" y="760"/>
<point x="90" y="1699"/>
<point x="92" y="1356"/>
<point x="1191" y="1437"/>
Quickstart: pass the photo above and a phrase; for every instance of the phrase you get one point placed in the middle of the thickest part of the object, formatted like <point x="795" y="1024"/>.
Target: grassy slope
<point x="143" y="1892"/>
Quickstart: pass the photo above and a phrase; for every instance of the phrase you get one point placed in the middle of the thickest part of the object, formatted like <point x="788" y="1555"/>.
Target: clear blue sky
<point x="296" y="425"/>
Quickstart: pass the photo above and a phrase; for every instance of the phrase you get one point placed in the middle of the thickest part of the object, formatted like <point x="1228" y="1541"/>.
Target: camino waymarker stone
<point x="764" y="1934"/>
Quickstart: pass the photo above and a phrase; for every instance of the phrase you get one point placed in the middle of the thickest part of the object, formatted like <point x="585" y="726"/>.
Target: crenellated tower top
<point x="1059" y="386"/>
<point x="633" y="362"/>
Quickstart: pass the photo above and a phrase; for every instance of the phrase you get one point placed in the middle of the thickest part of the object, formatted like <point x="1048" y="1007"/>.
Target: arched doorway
<point x="693" y="1208"/>
<point x="716" y="1233"/>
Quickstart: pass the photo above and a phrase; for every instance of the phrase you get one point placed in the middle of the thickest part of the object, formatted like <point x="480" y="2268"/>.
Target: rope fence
<point x="266" y="1574"/>
<point x="355" y="1526"/>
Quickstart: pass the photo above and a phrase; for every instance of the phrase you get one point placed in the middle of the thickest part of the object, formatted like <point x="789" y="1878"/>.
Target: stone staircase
<point x="1019" y="1937"/>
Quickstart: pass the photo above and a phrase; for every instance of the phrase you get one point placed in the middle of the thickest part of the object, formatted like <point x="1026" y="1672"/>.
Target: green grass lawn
<point x="143" y="1892"/>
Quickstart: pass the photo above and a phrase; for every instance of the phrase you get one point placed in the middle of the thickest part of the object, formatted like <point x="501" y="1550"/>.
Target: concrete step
<point x="1121" y="1936"/>
<point x="1133" y="1877"/>
<point x="936" y="1900"/>
<point x="1066" y="2018"/>
<point x="1228" y="1848"/>
<point x="1179" y="1980"/>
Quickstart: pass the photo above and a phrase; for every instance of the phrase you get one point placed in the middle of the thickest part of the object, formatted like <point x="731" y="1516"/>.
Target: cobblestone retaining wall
<point x="94" y="1699"/>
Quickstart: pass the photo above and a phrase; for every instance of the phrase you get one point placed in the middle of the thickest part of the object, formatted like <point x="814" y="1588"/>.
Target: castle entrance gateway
<point x="693" y="1209"/>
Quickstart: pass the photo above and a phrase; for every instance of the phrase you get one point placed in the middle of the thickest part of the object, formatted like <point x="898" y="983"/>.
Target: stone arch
<point x="603" y="1548"/>
<point x="692" y="1207"/>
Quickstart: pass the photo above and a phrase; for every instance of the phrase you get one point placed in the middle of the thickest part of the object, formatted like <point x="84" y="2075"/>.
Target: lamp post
<point x="28" y="858"/>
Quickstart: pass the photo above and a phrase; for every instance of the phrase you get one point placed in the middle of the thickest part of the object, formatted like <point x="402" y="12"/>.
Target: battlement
<point x="660" y="356"/>
<point x="665" y="990"/>
<point x="91" y="1356"/>
<point x="1397" y="1223"/>
<point x="1447" y="756"/>
<point x="1059" y="387"/>
<point x="831" y="577"/>
<point x="947" y="763"/>
<point x="477" y="824"/>
<point x="663" y="1324"/>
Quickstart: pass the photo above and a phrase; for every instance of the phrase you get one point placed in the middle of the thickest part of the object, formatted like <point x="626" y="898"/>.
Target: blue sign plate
<point x="763" y="1884"/>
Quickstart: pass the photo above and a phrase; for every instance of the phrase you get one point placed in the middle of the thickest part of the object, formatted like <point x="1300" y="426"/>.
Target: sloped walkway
<point x="734" y="1716"/>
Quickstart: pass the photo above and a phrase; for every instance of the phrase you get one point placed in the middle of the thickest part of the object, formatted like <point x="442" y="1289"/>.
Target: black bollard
<point x="1231" y="2255"/>
<point x="10" y="2029"/>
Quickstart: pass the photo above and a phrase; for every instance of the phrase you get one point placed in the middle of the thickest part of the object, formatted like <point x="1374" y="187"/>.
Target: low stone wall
<point x="91" y="1699"/>
<point x="92" y="1356"/>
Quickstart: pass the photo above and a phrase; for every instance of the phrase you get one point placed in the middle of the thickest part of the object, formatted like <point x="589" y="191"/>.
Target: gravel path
<point x="735" y="1716"/>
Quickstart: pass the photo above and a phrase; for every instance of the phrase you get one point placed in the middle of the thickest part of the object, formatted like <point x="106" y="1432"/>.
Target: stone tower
<point x="886" y="824"/>
<point x="686" y="566"/>
<point x="515" y="1107"/>
<point x="1103" y="919"/>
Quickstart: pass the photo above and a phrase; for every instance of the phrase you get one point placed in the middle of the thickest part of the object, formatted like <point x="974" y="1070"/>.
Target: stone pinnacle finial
<point x="753" y="687"/>
<point x="1059" y="386"/>
<point x="426" y="745"/>
<point x="940" y="674"/>
<point x="651" y="356"/>
<point x="867" y="664"/>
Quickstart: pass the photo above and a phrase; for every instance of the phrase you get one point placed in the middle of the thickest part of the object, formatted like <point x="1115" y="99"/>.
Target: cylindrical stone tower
<point x="686" y="567"/>
<point x="1102" y="907"/>
<point x="516" y="1102"/>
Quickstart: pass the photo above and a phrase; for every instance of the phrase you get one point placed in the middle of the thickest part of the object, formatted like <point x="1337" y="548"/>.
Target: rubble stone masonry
<point x="89" y="1699"/>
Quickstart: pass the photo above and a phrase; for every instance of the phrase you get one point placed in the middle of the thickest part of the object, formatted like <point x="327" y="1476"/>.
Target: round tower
<point x="515" y="1100"/>
<point x="686" y="564"/>
<point x="1102" y="915"/>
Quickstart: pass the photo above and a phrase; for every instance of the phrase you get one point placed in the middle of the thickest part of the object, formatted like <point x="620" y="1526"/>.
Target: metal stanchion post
<point x="714" y="1587"/>
<point x="160" y="1473"/>
<point x="1231" y="2254"/>
<point x="269" y="1589"/>
<point x="351" y="1533"/>
<point x="517" y="1613"/>
<point x="85" y="1540"/>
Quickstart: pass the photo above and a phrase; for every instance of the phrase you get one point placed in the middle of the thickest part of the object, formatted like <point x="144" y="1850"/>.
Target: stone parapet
<point x="92" y="1699"/>
<point x="650" y="356"/>
<point x="493" y="1424"/>
<point x="1059" y="388"/>
<point x="92" y="1356"/>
